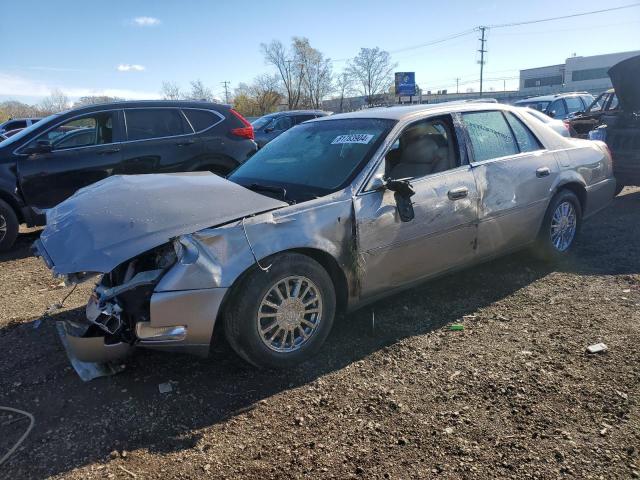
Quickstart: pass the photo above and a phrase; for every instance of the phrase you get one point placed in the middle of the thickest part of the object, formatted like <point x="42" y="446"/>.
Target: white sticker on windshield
<point x="354" y="138"/>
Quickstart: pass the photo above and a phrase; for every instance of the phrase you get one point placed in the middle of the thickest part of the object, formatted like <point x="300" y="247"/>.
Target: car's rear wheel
<point x="560" y="227"/>
<point x="281" y="317"/>
<point x="8" y="226"/>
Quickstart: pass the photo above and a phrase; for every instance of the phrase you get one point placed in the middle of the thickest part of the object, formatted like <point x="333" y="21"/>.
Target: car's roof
<point x="299" y="112"/>
<point x="549" y="98"/>
<point x="149" y="104"/>
<point x="399" y="112"/>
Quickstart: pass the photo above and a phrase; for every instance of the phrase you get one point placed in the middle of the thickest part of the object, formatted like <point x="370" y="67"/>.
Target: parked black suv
<point x="270" y="126"/>
<point x="47" y="162"/>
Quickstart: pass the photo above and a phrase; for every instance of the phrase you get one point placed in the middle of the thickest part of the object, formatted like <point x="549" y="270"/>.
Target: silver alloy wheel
<point x="3" y="227"/>
<point x="289" y="314"/>
<point x="563" y="226"/>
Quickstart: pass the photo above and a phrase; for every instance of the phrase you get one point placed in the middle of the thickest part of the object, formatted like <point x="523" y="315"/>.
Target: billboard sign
<point x="405" y="84"/>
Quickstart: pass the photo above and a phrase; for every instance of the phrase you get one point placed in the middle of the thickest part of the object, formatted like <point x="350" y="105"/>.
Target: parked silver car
<point x="333" y="214"/>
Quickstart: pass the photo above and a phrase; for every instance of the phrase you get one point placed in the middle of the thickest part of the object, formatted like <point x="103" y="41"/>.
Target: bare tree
<point x="316" y="72"/>
<point x="372" y="70"/>
<point x="57" y="101"/>
<point x="265" y="92"/>
<point x="259" y="98"/>
<point x="343" y="87"/>
<point x="200" y="92"/>
<point x="171" y="91"/>
<point x="94" y="100"/>
<point x="288" y="67"/>
<point x="15" y="109"/>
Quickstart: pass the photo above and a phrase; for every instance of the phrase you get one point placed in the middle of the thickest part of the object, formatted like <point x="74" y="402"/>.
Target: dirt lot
<point x="512" y="396"/>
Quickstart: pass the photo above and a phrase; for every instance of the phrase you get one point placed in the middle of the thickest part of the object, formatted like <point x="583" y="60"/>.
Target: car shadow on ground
<point x="80" y="423"/>
<point x="22" y="247"/>
<point x="126" y="411"/>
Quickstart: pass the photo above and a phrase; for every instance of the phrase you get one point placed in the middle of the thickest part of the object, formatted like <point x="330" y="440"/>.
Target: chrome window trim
<point x="67" y="120"/>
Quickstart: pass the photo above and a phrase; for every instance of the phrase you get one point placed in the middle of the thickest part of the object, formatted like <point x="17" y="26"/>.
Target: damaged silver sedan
<point x="334" y="213"/>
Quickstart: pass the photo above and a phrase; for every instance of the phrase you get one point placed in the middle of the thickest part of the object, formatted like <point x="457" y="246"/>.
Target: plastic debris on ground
<point x="87" y="370"/>
<point x="597" y="348"/>
<point x="165" y="387"/>
<point x="456" y="327"/>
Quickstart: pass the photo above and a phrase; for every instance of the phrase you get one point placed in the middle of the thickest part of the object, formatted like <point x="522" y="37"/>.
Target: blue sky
<point x="127" y="48"/>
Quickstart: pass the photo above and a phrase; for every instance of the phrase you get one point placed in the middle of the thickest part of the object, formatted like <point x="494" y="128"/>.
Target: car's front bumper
<point x="189" y="314"/>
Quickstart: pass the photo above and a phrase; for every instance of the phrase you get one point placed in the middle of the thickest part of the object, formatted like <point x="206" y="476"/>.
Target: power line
<point x="549" y="19"/>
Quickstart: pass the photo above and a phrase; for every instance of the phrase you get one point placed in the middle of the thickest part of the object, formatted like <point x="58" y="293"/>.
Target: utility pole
<point x="226" y="91"/>
<point x="457" y="84"/>
<point x="482" y="52"/>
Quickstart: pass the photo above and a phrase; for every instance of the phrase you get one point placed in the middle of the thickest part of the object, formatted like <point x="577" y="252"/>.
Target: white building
<point x="576" y="74"/>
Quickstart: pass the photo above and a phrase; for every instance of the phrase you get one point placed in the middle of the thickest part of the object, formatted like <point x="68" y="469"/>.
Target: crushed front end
<point x="130" y="307"/>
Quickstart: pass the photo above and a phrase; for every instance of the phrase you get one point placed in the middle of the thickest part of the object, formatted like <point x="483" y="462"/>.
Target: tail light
<point x="243" y="132"/>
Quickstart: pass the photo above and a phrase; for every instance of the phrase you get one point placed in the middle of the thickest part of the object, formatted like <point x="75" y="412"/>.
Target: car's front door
<point x="442" y="234"/>
<point x="514" y="174"/>
<point x="587" y="121"/>
<point x="69" y="156"/>
<point x="159" y="140"/>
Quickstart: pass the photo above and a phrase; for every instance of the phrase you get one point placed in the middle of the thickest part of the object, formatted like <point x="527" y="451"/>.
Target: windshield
<point x="262" y="122"/>
<point x="23" y="133"/>
<point x="313" y="159"/>
<point x="541" y="106"/>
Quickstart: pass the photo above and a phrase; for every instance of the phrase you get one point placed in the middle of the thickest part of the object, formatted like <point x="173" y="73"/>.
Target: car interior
<point x="423" y="148"/>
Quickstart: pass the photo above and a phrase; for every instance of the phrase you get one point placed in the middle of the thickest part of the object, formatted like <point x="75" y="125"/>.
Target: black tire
<point x="619" y="188"/>
<point x="9" y="232"/>
<point x="545" y="247"/>
<point x="241" y="315"/>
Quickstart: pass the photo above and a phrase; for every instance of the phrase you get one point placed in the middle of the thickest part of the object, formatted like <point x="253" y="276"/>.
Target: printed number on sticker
<point x="354" y="138"/>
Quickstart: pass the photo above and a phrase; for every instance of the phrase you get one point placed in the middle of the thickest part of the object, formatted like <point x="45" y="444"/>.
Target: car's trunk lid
<point x="624" y="77"/>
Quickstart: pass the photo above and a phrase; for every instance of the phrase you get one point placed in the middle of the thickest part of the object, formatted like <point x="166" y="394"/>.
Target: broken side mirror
<point x="402" y="192"/>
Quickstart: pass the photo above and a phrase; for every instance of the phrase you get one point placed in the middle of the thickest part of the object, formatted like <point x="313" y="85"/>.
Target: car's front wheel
<point x="281" y="317"/>
<point x="8" y="226"/>
<point x="560" y="227"/>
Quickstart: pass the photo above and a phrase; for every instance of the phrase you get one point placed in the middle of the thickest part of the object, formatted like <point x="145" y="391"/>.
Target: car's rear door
<point x="442" y="234"/>
<point x="159" y="140"/>
<point x="514" y="174"/>
<point x="85" y="149"/>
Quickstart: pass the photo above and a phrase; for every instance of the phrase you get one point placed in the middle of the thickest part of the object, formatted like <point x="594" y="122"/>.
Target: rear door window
<point x="574" y="104"/>
<point x="527" y="142"/>
<point x="490" y="135"/>
<point x="282" y="123"/>
<point x="304" y="118"/>
<point x="558" y="109"/>
<point x="147" y="123"/>
<point x="613" y="103"/>
<point x="201" y="119"/>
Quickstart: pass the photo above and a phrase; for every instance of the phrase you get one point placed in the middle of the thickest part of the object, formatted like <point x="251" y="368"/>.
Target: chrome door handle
<point x="458" y="193"/>
<point x="543" y="172"/>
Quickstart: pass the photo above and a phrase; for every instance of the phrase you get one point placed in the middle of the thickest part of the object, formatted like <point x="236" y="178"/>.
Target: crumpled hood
<point x="120" y="217"/>
<point x="625" y="77"/>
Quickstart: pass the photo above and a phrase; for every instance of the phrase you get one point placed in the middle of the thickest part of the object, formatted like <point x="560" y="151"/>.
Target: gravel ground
<point x="514" y="395"/>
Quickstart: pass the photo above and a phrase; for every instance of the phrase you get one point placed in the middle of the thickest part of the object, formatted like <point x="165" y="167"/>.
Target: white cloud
<point x="146" y="21"/>
<point x="14" y="87"/>
<point x="128" y="67"/>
